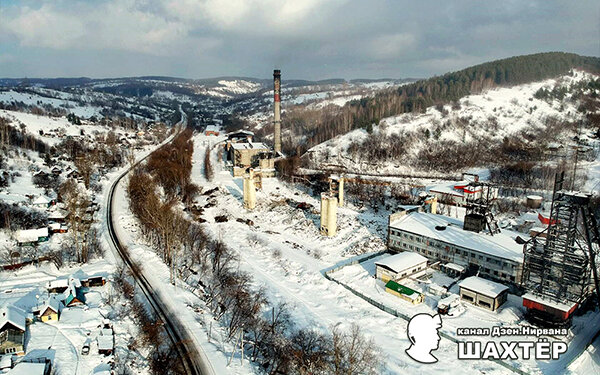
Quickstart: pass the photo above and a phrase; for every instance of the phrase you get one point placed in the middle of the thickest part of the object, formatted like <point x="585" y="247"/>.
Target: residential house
<point x="49" y="310"/>
<point x="32" y="237"/>
<point x="73" y="296"/>
<point x="12" y="330"/>
<point x="42" y="202"/>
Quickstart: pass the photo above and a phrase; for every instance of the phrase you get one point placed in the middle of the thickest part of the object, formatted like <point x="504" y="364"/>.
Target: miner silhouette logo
<point x="424" y="337"/>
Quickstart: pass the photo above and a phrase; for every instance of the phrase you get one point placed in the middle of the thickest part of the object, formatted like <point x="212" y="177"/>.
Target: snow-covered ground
<point x="51" y="126"/>
<point x="61" y="341"/>
<point x="53" y="98"/>
<point x="285" y="253"/>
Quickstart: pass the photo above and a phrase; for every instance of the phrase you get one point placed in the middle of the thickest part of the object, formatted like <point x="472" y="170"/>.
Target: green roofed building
<point x="404" y="292"/>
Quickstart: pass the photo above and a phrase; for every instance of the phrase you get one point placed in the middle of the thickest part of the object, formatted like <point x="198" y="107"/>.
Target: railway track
<point x="194" y="362"/>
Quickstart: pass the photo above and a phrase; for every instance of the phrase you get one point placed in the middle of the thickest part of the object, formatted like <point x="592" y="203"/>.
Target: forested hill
<point x="316" y="128"/>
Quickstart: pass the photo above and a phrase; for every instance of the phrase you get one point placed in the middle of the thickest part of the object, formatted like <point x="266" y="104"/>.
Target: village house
<point x="212" y="130"/>
<point x="56" y="171"/>
<point x="106" y="339"/>
<point x="12" y="330"/>
<point x="58" y="215"/>
<point x="57" y="286"/>
<point x="483" y="293"/>
<point x="31" y="237"/>
<point x="49" y="310"/>
<point x="73" y="296"/>
<point x="42" y="202"/>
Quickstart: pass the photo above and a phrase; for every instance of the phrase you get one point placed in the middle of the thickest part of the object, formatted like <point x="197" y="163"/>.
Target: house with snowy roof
<point x="58" y="215"/>
<point x="106" y="341"/>
<point x="212" y="130"/>
<point x="73" y="296"/>
<point x="12" y="330"/>
<point x="49" y="309"/>
<point x="42" y="202"/>
<point x="32" y="237"/>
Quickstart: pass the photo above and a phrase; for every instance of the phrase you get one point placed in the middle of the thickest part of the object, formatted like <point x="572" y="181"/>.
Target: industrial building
<point x="404" y="292"/>
<point x="462" y="192"/>
<point x="483" y="293"/>
<point x="246" y="155"/>
<point x="243" y="153"/>
<point x="399" y="266"/>
<point x="212" y="130"/>
<point x="444" y="239"/>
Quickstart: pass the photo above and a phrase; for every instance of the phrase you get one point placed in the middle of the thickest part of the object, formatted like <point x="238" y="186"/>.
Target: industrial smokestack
<point x="277" y="109"/>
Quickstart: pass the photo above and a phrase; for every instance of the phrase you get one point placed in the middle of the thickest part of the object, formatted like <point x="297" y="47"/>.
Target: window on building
<point x="485" y="304"/>
<point x="467" y="297"/>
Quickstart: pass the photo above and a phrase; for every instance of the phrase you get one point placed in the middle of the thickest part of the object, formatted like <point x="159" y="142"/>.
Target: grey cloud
<point x="306" y="38"/>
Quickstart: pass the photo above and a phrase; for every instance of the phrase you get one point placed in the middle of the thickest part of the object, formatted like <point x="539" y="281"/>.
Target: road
<point x="193" y="358"/>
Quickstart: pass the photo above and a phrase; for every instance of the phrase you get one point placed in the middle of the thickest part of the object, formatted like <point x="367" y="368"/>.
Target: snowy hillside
<point x="487" y="118"/>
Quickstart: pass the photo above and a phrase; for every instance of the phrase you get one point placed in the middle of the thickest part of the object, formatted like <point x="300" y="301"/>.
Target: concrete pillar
<point x="249" y="191"/>
<point x="328" y="215"/>
<point x="341" y="192"/>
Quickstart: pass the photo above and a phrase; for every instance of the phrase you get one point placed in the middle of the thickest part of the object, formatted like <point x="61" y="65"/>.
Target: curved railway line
<point x="195" y="362"/>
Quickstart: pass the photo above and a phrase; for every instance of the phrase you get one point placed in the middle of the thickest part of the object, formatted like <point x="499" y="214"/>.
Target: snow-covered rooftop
<point x="51" y="303"/>
<point x="31" y="235"/>
<point x="105" y="340"/>
<point x="455" y="267"/>
<point x="483" y="286"/>
<point x="41" y="200"/>
<point x="26" y="368"/>
<point x="502" y="245"/>
<point x="249" y="146"/>
<point x="12" y="315"/>
<point x="212" y="128"/>
<point x="402" y="261"/>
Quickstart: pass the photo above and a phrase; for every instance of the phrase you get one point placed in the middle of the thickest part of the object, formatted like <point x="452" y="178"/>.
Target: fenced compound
<point x="360" y="259"/>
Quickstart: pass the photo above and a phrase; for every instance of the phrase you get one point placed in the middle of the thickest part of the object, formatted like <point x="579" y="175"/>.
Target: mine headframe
<point x="560" y="262"/>
<point x="480" y="196"/>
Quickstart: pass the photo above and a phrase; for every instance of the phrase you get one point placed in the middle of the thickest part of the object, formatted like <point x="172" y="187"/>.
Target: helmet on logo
<point x="423" y="334"/>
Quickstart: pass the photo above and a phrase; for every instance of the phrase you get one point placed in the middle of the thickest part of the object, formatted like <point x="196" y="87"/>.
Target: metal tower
<point x="559" y="267"/>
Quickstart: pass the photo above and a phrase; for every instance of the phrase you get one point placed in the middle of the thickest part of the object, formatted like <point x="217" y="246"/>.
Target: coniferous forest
<point x="319" y="126"/>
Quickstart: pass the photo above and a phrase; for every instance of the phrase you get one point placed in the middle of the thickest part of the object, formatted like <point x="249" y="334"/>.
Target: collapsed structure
<point x="244" y="154"/>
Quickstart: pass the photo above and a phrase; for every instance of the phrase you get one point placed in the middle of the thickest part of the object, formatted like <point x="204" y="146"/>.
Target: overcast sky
<point x="308" y="39"/>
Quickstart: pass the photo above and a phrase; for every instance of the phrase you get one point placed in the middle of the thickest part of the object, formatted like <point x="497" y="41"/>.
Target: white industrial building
<point x="483" y="293"/>
<point x="441" y="238"/>
<point x="399" y="266"/>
